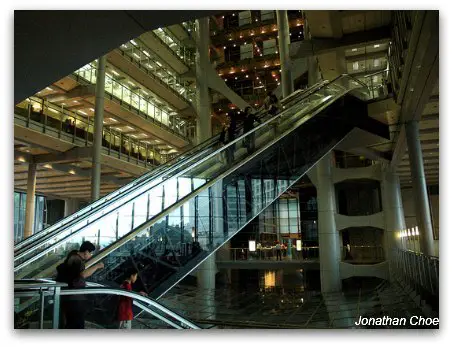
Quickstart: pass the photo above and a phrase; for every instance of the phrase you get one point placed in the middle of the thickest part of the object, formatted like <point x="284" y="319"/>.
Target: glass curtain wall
<point x="20" y="201"/>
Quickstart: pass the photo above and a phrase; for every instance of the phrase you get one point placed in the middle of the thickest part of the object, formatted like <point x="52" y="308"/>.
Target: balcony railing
<point x="167" y="38"/>
<point x="67" y="125"/>
<point x="362" y="254"/>
<point x="270" y="253"/>
<point x="139" y="54"/>
<point x="136" y="101"/>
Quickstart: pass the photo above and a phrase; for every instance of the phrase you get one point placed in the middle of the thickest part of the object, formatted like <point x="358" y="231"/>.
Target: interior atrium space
<point x="226" y="169"/>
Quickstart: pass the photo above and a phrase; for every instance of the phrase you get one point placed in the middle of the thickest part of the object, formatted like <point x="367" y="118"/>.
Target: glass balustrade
<point x="148" y="61"/>
<point x="135" y="99"/>
<point x="68" y="125"/>
<point x="184" y="53"/>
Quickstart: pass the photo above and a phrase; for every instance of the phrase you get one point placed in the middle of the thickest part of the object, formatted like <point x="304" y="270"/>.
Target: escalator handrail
<point x="81" y="214"/>
<point x="114" y="291"/>
<point x="212" y="154"/>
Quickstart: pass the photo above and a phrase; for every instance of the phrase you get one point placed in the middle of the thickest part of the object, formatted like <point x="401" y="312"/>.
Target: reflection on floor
<point x="289" y="299"/>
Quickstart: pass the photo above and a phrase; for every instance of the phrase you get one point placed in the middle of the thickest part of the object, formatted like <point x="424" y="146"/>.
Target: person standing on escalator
<point x="231" y="136"/>
<point x="272" y="106"/>
<point x="250" y="119"/>
<point x="72" y="271"/>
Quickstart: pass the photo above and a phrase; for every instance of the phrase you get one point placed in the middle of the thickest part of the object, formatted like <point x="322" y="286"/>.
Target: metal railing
<point x="168" y="39"/>
<point x="140" y="103"/>
<point x="148" y="61"/>
<point x="270" y="253"/>
<point x="362" y="254"/>
<point x="419" y="271"/>
<point x="67" y="125"/>
<point x="41" y="288"/>
<point x="356" y="254"/>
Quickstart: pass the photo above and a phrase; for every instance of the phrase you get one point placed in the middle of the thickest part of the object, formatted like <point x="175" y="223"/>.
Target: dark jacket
<point x="249" y="121"/>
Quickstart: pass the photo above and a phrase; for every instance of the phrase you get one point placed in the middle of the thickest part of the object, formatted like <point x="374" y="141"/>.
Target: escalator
<point x="23" y="247"/>
<point x="178" y="215"/>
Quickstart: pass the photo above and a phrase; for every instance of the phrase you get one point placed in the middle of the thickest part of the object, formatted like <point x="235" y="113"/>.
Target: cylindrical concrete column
<point x="30" y="202"/>
<point x="421" y="202"/>
<point x="329" y="245"/>
<point x="202" y="62"/>
<point x="206" y="285"/>
<point x="97" y="131"/>
<point x="283" y="46"/>
<point x="393" y="211"/>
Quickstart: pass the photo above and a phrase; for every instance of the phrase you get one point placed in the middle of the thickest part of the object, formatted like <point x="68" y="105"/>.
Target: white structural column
<point x="71" y="206"/>
<point x="421" y="202"/>
<point x="206" y="287"/>
<point x="329" y="245"/>
<point x="393" y="211"/>
<point x="202" y="64"/>
<point x="283" y="46"/>
<point x="30" y="202"/>
<point x="97" y="131"/>
<point x="313" y="70"/>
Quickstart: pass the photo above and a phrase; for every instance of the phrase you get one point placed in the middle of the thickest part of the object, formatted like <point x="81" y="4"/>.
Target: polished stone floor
<point x="287" y="299"/>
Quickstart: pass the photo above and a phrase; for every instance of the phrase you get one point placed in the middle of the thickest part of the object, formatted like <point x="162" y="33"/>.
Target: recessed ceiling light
<point x="354" y="49"/>
<point x="376" y="46"/>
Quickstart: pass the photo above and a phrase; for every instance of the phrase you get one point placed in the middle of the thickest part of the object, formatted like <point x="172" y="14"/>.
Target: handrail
<point x="376" y="73"/>
<point x="37" y="283"/>
<point x="133" y="295"/>
<point x="133" y="185"/>
<point x="105" y="290"/>
<point x="205" y="158"/>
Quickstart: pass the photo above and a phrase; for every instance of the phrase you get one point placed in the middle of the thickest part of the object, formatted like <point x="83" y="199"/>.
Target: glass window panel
<point x="267" y="15"/>
<point x="245" y="17"/>
<point x="246" y="51"/>
<point x="269" y="47"/>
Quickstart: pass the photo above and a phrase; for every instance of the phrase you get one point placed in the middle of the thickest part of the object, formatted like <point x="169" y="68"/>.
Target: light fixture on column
<point x="252" y="245"/>
<point x="416" y="231"/>
<point x="299" y="245"/>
